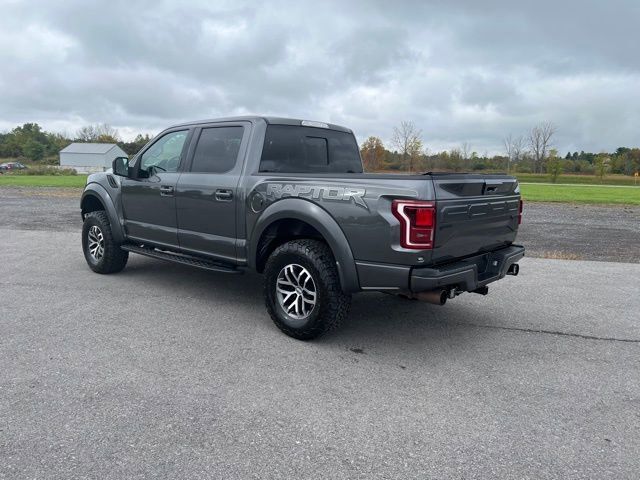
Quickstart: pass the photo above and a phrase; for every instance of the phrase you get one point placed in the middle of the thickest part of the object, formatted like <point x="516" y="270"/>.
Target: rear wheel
<point x="302" y="289"/>
<point x="102" y="253"/>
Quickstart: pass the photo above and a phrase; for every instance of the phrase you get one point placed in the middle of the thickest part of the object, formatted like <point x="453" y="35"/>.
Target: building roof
<point x="88" y="148"/>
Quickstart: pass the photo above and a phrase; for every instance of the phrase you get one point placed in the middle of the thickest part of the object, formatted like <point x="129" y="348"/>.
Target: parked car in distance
<point x="8" y="166"/>
<point x="289" y="199"/>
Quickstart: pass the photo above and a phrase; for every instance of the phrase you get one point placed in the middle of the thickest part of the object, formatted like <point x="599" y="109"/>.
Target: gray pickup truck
<point x="289" y="199"/>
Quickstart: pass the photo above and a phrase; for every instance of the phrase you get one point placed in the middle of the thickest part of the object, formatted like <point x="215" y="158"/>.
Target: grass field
<point x="576" y="179"/>
<point x="593" y="194"/>
<point x="68" y="181"/>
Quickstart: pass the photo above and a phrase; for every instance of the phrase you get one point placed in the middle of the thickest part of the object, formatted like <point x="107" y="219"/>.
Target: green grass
<point x="576" y="179"/>
<point x="592" y="194"/>
<point x="69" y="181"/>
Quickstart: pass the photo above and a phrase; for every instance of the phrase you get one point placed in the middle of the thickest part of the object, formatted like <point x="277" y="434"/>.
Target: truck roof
<point x="268" y="120"/>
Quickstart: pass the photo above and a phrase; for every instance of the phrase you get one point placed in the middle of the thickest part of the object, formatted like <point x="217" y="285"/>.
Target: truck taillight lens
<point x="520" y="213"/>
<point x="417" y="223"/>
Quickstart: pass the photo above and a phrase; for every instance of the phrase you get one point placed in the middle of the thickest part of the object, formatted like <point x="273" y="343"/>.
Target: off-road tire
<point x="113" y="258"/>
<point x="331" y="303"/>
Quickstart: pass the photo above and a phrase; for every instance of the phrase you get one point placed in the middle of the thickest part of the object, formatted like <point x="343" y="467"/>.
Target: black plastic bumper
<point x="468" y="274"/>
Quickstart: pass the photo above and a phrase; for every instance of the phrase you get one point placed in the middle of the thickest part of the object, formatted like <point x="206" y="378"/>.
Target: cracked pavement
<point x="165" y="371"/>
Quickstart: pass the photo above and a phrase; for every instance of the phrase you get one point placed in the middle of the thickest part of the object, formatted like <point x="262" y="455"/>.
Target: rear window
<point x="292" y="149"/>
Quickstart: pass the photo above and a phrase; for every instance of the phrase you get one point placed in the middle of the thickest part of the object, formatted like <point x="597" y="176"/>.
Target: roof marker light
<point x="311" y="123"/>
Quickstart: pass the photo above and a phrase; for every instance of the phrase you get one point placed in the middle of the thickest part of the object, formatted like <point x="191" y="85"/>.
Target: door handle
<point x="224" y="195"/>
<point x="166" y="190"/>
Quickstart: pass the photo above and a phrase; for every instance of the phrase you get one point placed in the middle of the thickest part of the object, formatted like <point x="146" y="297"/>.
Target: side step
<point x="182" y="259"/>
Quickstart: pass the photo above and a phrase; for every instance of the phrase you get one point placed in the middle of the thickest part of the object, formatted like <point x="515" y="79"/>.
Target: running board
<point x="181" y="259"/>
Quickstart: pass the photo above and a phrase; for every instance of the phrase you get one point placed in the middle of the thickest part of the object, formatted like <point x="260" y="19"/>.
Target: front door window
<point x="164" y="154"/>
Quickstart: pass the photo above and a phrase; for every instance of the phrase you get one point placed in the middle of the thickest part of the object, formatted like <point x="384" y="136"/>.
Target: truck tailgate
<point x="475" y="213"/>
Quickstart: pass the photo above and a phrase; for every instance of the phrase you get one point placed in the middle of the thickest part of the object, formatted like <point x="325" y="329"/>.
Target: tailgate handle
<point x="490" y="187"/>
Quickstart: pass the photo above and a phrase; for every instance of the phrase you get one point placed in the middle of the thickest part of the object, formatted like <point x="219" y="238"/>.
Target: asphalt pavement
<point x="169" y="372"/>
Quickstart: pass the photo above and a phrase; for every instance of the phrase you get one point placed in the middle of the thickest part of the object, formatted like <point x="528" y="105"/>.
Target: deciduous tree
<point x="407" y="140"/>
<point x="514" y="147"/>
<point x="554" y="165"/>
<point x="33" y="150"/>
<point x="602" y="165"/>
<point x="539" y="143"/>
<point x="100" y="133"/>
<point x="372" y="152"/>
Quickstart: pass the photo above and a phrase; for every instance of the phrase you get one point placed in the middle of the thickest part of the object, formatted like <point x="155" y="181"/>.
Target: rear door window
<point x="217" y="149"/>
<point x="294" y="149"/>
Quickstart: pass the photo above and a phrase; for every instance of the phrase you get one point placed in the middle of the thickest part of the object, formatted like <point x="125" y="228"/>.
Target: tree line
<point x="532" y="152"/>
<point x="31" y="142"/>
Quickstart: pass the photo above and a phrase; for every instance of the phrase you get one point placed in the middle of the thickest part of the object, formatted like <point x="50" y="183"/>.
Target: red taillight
<point x="520" y="213"/>
<point x="417" y="223"/>
<point x="424" y="217"/>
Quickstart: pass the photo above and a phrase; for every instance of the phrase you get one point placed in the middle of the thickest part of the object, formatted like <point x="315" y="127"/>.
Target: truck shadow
<point x="383" y="319"/>
<point x="375" y="318"/>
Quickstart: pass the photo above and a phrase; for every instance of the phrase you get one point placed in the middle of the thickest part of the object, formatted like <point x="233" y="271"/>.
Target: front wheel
<point x="102" y="253"/>
<point x="302" y="289"/>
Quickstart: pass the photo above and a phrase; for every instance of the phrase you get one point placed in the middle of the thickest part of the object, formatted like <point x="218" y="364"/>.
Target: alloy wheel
<point x="95" y="243"/>
<point x="296" y="291"/>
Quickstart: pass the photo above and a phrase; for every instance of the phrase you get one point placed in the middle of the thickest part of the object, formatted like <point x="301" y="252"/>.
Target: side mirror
<point x="120" y="166"/>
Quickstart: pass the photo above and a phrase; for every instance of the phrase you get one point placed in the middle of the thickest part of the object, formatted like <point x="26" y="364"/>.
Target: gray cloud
<point x="463" y="71"/>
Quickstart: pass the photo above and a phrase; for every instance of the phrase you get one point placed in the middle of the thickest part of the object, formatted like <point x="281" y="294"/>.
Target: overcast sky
<point x="462" y="71"/>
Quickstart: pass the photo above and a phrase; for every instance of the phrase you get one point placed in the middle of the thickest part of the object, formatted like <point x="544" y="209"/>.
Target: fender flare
<point x="318" y="218"/>
<point x="98" y="191"/>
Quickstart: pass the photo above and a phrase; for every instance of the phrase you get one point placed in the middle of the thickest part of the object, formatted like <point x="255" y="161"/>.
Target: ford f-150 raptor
<point x="289" y="199"/>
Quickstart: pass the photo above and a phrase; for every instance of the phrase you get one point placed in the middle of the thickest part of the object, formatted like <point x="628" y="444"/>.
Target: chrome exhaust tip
<point x="514" y="269"/>
<point x="437" y="297"/>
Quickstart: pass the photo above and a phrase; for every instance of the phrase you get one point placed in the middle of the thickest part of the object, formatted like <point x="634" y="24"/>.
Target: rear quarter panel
<point x="360" y="204"/>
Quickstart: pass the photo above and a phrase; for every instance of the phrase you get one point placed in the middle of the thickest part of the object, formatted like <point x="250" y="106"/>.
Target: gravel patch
<point x="588" y="232"/>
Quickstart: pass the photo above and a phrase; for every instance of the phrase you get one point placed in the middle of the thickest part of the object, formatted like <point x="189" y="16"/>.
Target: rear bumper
<point x="468" y="274"/>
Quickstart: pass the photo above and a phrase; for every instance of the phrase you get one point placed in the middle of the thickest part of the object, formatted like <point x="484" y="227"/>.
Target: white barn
<point x="90" y="157"/>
